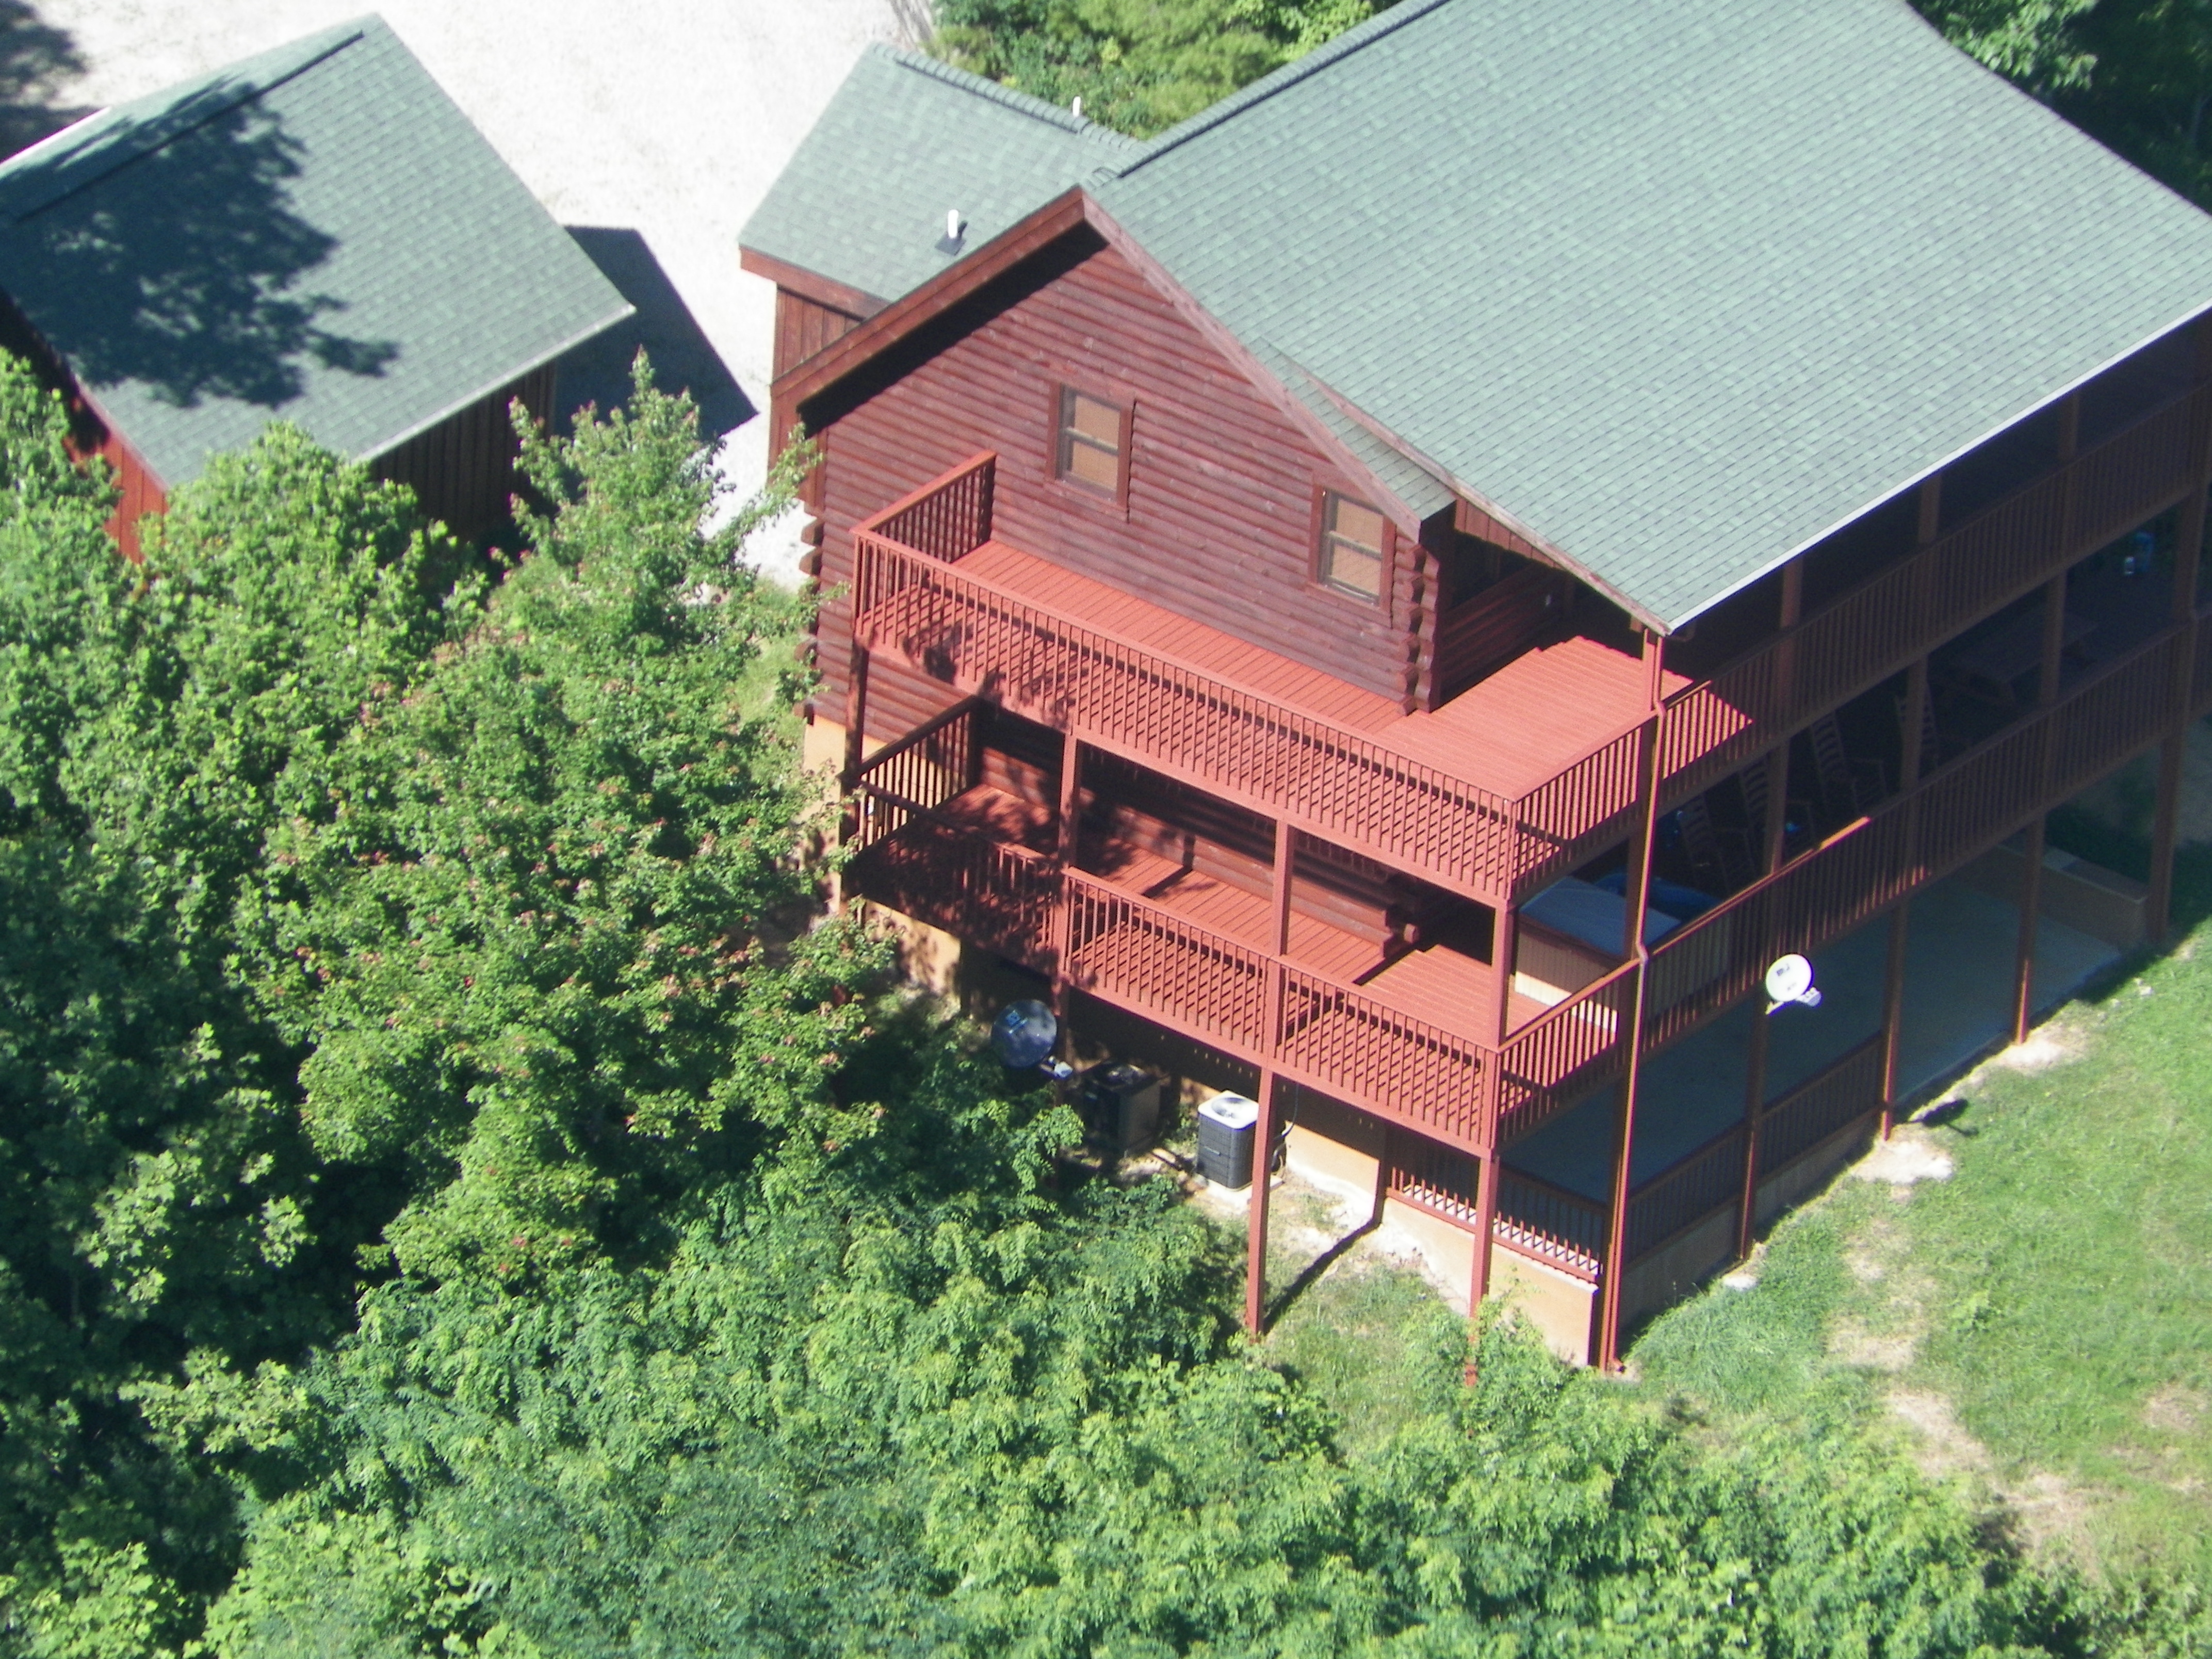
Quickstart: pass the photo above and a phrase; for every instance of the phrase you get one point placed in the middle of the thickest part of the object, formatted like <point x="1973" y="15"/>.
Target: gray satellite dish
<point x="1790" y="979"/>
<point x="1023" y="1034"/>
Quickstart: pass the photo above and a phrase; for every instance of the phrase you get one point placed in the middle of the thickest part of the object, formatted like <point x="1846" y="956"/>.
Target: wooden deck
<point x="1509" y="734"/>
<point x="1446" y="988"/>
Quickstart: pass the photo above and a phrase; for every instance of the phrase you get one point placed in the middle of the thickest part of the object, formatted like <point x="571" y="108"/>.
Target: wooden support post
<point x="2054" y="640"/>
<point x="2165" y="822"/>
<point x="1381" y="1178"/>
<point x="1485" y="1223"/>
<point x="2031" y="902"/>
<point x="1931" y="524"/>
<point x="1286" y="854"/>
<point x="1892" y="1010"/>
<point x="1778" y="808"/>
<point x="1070" y="823"/>
<point x="1754" y="1113"/>
<point x="1068" y="847"/>
<point x="1505" y="939"/>
<point x="1914" y="723"/>
<point x="2173" y="749"/>
<point x="1255" y="1255"/>
<point x="856" y="711"/>
<point x="1639" y="862"/>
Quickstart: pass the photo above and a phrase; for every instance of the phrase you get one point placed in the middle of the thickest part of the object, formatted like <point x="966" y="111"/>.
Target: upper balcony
<point x="1506" y="786"/>
<point x="1527" y="773"/>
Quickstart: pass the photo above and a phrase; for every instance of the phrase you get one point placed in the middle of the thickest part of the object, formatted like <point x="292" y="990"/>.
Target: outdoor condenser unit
<point x="1226" y="1124"/>
<point x="1121" y="1106"/>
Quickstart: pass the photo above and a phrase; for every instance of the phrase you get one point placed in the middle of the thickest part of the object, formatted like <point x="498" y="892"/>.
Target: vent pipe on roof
<point x="954" y="228"/>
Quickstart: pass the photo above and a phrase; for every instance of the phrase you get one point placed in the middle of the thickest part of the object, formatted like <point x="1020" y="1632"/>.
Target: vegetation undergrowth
<point x="2037" y="1326"/>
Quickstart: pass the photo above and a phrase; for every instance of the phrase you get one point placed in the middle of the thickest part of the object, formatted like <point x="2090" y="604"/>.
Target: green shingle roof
<point x="905" y="141"/>
<point x="1681" y="285"/>
<point x="316" y="234"/>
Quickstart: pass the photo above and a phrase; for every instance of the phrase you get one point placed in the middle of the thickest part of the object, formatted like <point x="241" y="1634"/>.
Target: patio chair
<point x="1849" y="786"/>
<point x="1722" y="857"/>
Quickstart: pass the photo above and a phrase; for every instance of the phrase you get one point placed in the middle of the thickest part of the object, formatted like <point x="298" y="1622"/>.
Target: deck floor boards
<point x="1510" y="734"/>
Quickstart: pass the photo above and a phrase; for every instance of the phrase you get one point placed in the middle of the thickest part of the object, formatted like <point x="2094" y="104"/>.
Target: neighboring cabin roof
<point x="905" y="141"/>
<point x="1681" y="287"/>
<point x="316" y="234"/>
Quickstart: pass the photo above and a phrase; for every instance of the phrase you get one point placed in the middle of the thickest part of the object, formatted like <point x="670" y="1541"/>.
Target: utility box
<point x="1226" y="1124"/>
<point x="1121" y="1106"/>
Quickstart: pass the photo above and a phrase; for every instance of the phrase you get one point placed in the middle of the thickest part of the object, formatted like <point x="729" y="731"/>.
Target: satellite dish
<point x="1790" y="979"/>
<point x="1023" y="1034"/>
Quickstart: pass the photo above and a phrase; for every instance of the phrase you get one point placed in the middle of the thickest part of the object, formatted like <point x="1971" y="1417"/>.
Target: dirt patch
<point x="1942" y="1447"/>
<point x="2175" y="1409"/>
<point x="1911" y="1155"/>
<point x="2054" y="1045"/>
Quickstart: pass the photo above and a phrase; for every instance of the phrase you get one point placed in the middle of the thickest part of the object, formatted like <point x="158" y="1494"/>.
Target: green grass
<point x="1370" y="1337"/>
<point x="2056" y="1291"/>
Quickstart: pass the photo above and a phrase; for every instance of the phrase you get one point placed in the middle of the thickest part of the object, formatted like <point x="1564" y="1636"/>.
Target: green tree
<point x="1140" y="66"/>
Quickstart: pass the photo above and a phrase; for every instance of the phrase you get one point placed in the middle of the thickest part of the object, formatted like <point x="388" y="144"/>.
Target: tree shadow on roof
<point x="170" y="253"/>
<point x="35" y="59"/>
<point x="683" y="360"/>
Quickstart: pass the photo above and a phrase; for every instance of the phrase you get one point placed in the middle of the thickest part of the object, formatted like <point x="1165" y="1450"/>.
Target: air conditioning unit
<point x="1226" y="1126"/>
<point x="1121" y="1106"/>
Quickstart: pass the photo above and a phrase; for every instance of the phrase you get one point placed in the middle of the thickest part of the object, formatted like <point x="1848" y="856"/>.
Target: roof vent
<point x="954" y="228"/>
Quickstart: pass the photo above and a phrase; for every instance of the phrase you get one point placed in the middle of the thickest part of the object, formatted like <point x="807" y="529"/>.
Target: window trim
<point x="1057" y="437"/>
<point x="1386" y="575"/>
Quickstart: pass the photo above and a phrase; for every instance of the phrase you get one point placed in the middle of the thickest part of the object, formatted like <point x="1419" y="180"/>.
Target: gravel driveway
<point x="652" y="126"/>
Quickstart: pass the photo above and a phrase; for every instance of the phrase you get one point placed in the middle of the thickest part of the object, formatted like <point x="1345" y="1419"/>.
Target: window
<point x="1351" y="547"/>
<point x="1093" y="447"/>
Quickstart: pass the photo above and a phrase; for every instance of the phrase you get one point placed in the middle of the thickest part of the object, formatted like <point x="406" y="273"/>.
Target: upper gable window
<point x="1352" y="541"/>
<point x="1093" y="447"/>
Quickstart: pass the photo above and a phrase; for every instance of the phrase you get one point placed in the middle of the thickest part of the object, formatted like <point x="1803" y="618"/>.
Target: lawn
<point x="2038" y="1326"/>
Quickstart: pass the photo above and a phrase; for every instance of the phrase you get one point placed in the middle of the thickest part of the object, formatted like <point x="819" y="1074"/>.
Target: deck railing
<point x="1570" y="1231"/>
<point x="910" y="596"/>
<point x="1709" y="729"/>
<point x="938" y="759"/>
<point x="1846" y="1091"/>
<point x="1959" y="812"/>
<point x="1243" y="746"/>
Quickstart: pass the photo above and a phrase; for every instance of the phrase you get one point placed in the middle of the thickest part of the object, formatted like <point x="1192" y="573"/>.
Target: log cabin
<point x="1405" y="595"/>
<point x="316" y="234"/>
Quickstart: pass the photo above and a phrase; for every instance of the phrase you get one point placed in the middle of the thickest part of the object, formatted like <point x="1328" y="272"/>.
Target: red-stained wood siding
<point x="805" y="326"/>
<point x="138" y="490"/>
<point x="1219" y="522"/>
<point x="141" y="493"/>
<point x="462" y="469"/>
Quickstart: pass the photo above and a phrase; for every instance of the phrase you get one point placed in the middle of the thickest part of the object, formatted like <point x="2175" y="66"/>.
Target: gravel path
<point x="662" y="118"/>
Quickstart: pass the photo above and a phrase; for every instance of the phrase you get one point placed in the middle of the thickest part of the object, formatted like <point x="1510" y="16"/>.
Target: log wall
<point x="1219" y="519"/>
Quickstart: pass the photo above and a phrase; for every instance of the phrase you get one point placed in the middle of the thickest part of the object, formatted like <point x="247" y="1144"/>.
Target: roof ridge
<point x="1320" y="57"/>
<point x="1021" y="103"/>
<point x="172" y="112"/>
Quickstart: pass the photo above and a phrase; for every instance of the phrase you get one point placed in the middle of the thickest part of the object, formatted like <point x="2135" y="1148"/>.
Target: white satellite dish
<point x="1790" y="979"/>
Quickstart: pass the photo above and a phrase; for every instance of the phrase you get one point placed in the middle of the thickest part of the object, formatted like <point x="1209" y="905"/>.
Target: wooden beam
<point x="1754" y="1113"/>
<point x="1504" y="941"/>
<point x="1256" y="1250"/>
<point x="1286" y="853"/>
<point x="1616" y="1253"/>
<point x="1892" y="1010"/>
<point x="2054" y="640"/>
<point x="2173" y="749"/>
<point x="826" y="291"/>
<point x="1068" y="828"/>
<point x="1931" y="508"/>
<point x="931" y="300"/>
<point x="2031" y="902"/>
<point x="1485" y="1224"/>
